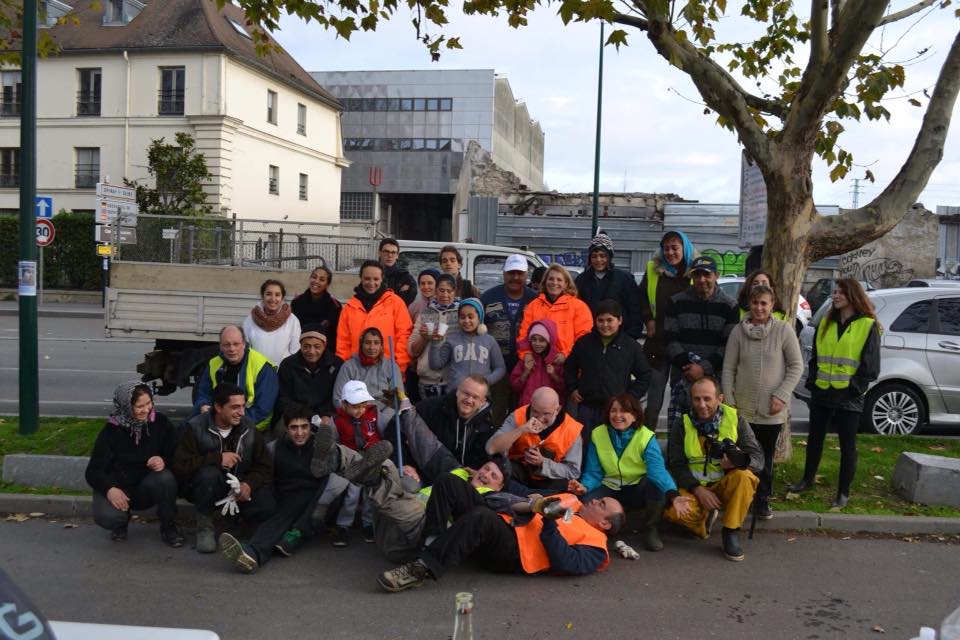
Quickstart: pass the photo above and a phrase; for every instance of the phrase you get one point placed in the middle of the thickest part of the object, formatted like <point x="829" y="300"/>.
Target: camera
<point x="716" y="449"/>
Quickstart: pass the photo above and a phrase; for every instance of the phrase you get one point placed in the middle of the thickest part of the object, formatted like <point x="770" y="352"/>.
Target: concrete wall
<point x="517" y="140"/>
<point x="908" y="251"/>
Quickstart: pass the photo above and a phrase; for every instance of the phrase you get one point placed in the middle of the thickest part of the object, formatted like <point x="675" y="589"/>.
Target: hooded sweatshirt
<point x="378" y="377"/>
<point x="538" y="376"/>
<point x="462" y="355"/>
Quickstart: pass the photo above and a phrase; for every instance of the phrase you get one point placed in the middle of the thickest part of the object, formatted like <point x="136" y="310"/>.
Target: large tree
<point x="797" y="113"/>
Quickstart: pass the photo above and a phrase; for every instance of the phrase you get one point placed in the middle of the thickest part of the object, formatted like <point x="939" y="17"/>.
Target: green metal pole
<point x="29" y="383"/>
<point x="596" y="157"/>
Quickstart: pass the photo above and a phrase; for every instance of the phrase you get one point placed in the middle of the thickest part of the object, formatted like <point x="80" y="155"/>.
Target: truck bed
<point x="173" y="315"/>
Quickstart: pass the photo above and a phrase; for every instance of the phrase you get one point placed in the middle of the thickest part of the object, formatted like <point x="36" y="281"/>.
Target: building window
<point x="397" y="104"/>
<point x="9" y="167"/>
<point x="302" y="119"/>
<point x="273" y="185"/>
<point x="10" y="105"/>
<point x="88" y="167"/>
<point x="271" y="107"/>
<point x="172" y="85"/>
<point x="397" y="144"/>
<point x="88" y="98"/>
<point x="113" y="12"/>
<point x="356" y="206"/>
<point x="303" y="186"/>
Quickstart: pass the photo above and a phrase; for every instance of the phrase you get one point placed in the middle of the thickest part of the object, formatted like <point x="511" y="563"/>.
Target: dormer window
<point x="120" y="12"/>
<point x="239" y="28"/>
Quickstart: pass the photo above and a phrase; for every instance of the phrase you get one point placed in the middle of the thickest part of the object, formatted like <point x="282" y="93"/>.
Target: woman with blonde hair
<point x="558" y="301"/>
<point x="845" y="360"/>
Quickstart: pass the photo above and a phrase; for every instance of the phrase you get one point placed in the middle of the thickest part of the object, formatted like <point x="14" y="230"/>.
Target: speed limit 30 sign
<point x="45" y="232"/>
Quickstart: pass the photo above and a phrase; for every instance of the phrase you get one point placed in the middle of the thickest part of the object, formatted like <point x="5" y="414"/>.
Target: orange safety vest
<point x="558" y="442"/>
<point x="534" y="558"/>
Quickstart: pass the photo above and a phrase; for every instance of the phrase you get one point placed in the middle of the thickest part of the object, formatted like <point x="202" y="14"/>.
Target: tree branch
<point x="836" y="6"/>
<point x="631" y="21"/>
<point x="905" y="13"/>
<point x="835" y="235"/>
<point x="819" y="86"/>
<point x="819" y="41"/>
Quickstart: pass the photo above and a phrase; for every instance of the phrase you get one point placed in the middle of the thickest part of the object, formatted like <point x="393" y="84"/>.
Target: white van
<point x="482" y="263"/>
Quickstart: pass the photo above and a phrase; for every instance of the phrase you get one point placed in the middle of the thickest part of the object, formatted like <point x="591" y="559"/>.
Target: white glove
<point x="316" y="421"/>
<point x="625" y="550"/>
<point x="230" y="506"/>
<point x="234" y="483"/>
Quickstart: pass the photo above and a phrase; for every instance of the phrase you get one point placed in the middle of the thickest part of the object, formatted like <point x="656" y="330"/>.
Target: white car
<point x="731" y="286"/>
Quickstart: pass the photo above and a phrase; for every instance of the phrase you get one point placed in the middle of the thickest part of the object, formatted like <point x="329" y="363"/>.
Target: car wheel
<point x="893" y="409"/>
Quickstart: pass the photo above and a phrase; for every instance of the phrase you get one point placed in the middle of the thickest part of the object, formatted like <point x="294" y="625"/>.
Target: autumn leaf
<point x="876" y="449"/>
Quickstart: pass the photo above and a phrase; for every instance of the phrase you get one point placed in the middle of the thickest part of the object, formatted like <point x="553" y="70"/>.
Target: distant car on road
<point x="731" y="286"/>
<point x="934" y="282"/>
<point x="919" y="379"/>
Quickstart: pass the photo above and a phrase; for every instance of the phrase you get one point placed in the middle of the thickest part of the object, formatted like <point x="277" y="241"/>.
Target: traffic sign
<point x="109" y="209"/>
<point x="169" y="234"/>
<point x="45" y="232"/>
<point x="104" y="233"/>
<point x="105" y="190"/>
<point x="43" y="206"/>
<point x="104" y="250"/>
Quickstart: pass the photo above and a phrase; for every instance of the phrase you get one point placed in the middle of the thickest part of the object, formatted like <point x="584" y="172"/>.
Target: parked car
<point x="934" y="282"/>
<point x="822" y="288"/>
<point x="919" y="379"/>
<point x="731" y="286"/>
<point x="482" y="263"/>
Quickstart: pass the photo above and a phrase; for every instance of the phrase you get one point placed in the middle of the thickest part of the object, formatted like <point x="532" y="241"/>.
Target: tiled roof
<point x="181" y="25"/>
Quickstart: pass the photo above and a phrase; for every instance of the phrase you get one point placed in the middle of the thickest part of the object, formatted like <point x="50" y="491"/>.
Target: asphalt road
<point x="789" y="586"/>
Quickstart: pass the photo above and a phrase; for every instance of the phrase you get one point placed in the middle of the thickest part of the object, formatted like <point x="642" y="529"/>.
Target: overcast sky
<point x="655" y="136"/>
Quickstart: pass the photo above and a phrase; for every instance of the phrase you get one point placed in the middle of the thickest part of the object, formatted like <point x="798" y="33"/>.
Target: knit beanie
<point x="433" y="273"/>
<point x="537" y="329"/>
<point x="476" y="304"/>
<point x="601" y="242"/>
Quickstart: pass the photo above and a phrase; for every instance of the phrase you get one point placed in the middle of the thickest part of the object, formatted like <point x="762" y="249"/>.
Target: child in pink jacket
<point x="528" y="376"/>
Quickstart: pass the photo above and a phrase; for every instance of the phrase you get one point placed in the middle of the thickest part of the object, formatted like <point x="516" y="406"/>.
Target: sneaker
<point x="290" y="542"/>
<point x="323" y="443"/>
<point x="373" y="457"/>
<point x="170" y="534"/>
<point x="406" y="576"/>
<point x="339" y="537"/>
<point x="234" y="551"/>
<point x="368" y="534"/>
<point x="119" y="534"/>
<point x="731" y="545"/>
<point x="764" y="512"/>
<point x="712" y="516"/>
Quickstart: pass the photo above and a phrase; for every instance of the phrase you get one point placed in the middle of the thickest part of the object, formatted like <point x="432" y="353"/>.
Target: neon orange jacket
<point x="571" y="315"/>
<point x="389" y="314"/>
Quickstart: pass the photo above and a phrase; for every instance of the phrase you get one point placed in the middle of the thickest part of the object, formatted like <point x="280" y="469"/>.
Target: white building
<point x="135" y="71"/>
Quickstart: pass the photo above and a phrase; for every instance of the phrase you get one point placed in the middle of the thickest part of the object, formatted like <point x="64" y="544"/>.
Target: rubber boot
<point x="649" y="519"/>
<point x="206" y="537"/>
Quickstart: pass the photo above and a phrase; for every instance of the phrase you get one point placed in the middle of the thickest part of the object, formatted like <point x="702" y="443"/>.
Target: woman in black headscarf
<point x="129" y="468"/>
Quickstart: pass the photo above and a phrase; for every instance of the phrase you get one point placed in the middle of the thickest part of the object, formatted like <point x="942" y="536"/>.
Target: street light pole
<point x="596" y="157"/>
<point x="27" y="268"/>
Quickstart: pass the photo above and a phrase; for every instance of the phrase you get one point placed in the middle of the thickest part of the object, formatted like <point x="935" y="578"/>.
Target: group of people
<point x="508" y="426"/>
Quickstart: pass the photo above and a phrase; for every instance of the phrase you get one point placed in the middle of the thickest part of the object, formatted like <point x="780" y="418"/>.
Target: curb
<point x="56" y="313"/>
<point x="82" y="507"/>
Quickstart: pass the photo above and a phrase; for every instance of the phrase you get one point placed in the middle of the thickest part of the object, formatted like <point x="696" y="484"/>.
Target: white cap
<point x="516" y="262"/>
<point x="355" y="392"/>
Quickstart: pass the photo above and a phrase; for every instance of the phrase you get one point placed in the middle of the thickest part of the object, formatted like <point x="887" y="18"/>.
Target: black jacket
<point x="201" y="445"/>
<point x="466" y="440"/>
<point x="311" y="388"/>
<point x="851" y="398"/>
<point x="324" y="313"/>
<point x="396" y="279"/>
<point x="599" y="372"/>
<point x="291" y="468"/>
<point x="117" y="462"/>
<point x="616" y="285"/>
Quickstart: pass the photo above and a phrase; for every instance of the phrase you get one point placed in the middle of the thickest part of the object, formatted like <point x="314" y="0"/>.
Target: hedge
<point x="69" y="263"/>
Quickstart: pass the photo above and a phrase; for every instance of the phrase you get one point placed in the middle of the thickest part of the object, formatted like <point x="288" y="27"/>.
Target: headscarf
<point x="688" y="253"/>
<point x="122" y="415"/>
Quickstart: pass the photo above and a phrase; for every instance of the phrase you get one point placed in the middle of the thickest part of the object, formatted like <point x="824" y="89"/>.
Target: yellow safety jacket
<point x="256" y="361"/>
<point x="463" y="474"/>
<point x="629" y="468"/>
<point x="839" y="357"/>
<point x="703" y="470"/>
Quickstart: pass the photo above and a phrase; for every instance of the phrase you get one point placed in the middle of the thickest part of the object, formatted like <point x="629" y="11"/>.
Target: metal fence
<point x="241" y="243"/>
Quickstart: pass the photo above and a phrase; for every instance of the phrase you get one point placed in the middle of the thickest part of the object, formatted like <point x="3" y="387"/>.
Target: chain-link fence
<point x="241" y="243"/>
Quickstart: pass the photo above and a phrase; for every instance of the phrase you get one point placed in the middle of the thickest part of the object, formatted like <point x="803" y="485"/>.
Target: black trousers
<point x="521" y="473"/>
<point x="209" y="485"/>
<point x="480" y="533"/>
<point x="294" y="511"/>
<point x="157" y="488"/>
<point x="767" y="435"/>
<point x="846" y="424"/>
<point x="450" y="498"/>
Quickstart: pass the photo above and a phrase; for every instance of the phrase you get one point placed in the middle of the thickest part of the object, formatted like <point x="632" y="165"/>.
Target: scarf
<point x="688" y="255"/>
<point x="270" y="321"/>
<point x="368" y="362"/>
<point x="369" y="299"/>
<point x="435" y="305"/>
<point x="122" y="415"/>
<point x="709" y="427"/>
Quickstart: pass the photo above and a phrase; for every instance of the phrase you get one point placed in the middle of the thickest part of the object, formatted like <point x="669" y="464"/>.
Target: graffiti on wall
<point x="864" y="264"/>
<point x="567" y="259"/>
<point x="730" y="263"/>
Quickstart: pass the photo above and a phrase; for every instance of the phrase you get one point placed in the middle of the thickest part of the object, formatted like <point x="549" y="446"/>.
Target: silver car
<point x="919" y="379"/>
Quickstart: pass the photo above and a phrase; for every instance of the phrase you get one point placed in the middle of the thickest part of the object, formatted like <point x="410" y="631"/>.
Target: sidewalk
<point x="55" y="309"/>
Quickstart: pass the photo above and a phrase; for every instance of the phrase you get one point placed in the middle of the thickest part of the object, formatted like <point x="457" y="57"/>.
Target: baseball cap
<point x="516" y="262"/>
<point x="703" y="263"/>
<point x="355" y="392"/>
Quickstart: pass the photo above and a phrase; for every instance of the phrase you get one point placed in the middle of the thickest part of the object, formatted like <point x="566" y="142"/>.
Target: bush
<point x="69" y="263"/>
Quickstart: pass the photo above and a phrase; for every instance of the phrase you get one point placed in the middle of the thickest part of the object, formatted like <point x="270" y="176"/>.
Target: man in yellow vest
<point x="551" y="539"/>
<point x="250" y="370"/>
<point x="542" y="441"/>
<point x="713" y="455"/>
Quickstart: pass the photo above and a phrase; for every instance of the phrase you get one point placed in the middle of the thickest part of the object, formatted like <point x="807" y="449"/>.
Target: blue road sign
<point x="43" y="206"/>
